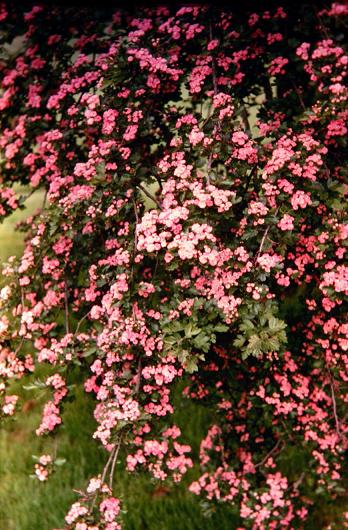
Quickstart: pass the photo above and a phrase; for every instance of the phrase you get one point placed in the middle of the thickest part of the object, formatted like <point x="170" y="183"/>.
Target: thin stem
<point x="298" y="95"/>
<point x="262" y="242"/>
<point x="299" y="481"/>
<point x="137" y="385"/>
<point x="66" y="304"/>
<point x="250" y="176"/>
<point x="150" y="196"/>
<point x="135" y="238"/>
<point x="25" y="197"/>
<point x="270" y="453"/>
<point x="19" y="347"/>
<point x="80" y="322"/>
<point x="106" y="467"/>
<point x="216" y="126"/>
<point x="159" y="183"/>
<point x="210" y="159"/>
<point x="334" y="406"/>
<point x="245" y="119"/>
<point x="268" y="89"/>
<point x="213" y="61"/>
<point x="264" y="238"/>
<point x="44" y="200"/>
<point x="114" y="460"/>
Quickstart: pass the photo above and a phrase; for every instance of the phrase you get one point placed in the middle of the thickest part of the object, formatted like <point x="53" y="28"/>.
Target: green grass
<point x="26" y="504"/>
<point x="11" y="242"/>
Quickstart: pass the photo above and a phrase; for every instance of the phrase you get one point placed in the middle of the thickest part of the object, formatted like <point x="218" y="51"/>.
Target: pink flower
<point x="300" y="199"/>
<point x="277" y="66"/>
<point x="286" y="222"/>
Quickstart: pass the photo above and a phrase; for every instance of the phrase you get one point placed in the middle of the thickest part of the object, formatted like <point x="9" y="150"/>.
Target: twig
<point x="135" y="238"/>
<point x="213" y="61"/>
<point x="264" y="238"/>
<point x="298" y="95"/>
<point x="159" y="183"/>
<point x="19" y="347"/>
<point x="137" y="385"/>
<point x="22" y="298"/>
<point x="216" y="126"/>
<point x="334" y="405"/>
<point x="222" y="451"/>
<point x="44" y="200"/>
<point x="66" y="307"/>
<point x="268" y="89"/>
<point x="150" y="196"/>
<point x="25" y="197"/>
<point x="106" y="467"/>
<point x="80" y="322"/>
<point x="210" y="159"/>
<point x="250" y="176"/>
<point x="245" y="119"/>
<point x="262" y="242"/>
<point x="135" y="211"/>
<point x="270" y="453"/>
<point x="114" y="460"/>
<point x="299" y="481"/>
<point x="322" y="27"/>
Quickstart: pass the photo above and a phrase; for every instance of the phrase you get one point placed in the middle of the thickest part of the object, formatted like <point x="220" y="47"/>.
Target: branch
<point x="264" y="238"/>
<point x="268" y="89"/>
<point x="159" y="183"/>
<point x="23" y="198"/>
<point x="135" y="238"/>
<point x="213" y="61"/>
<point x="106" y="467"/>
<point x="299" y="481"/>
<point x="216" y="126"/>
<point x="80" y="322"/>
<point x="334" y="405"/>
<point x="250" y="176"/>
<point x="44" y="200"/>
<point x="150" y="196"/>
<point x="114" y="460"/>
<point x="245" y="119"/>
<point x="137" y="386"/>
<point x="210" y="159"/>
<point x="262" y="242"/>
<point x="271" y="452"/>
<point x="298" y="95"/>
<point x="67" y="330"/>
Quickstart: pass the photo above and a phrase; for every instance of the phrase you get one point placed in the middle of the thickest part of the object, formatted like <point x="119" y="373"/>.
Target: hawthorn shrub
<point x="193" y="233"/>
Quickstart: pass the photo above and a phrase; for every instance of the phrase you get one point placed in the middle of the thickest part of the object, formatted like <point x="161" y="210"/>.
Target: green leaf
<point x="221" y="328"/>
<point x="60" y="461"/>
<point x="191" y="365"/>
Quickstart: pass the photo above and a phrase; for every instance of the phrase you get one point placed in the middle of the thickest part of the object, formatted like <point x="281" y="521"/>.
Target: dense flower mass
<point x="193" y="235"/>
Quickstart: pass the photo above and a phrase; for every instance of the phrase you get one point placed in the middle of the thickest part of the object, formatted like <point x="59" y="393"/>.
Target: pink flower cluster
<point x="179" y="246"/>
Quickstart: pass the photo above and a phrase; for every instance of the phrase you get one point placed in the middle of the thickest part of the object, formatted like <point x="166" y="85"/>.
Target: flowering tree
<point x="193" y="232"/>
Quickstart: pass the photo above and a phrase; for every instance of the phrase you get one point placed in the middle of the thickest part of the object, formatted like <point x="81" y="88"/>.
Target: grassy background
<point x="26" y="504"/>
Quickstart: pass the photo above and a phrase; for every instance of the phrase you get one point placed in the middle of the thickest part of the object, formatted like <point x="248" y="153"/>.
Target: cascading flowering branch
<point x="193" y="232"/>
